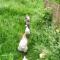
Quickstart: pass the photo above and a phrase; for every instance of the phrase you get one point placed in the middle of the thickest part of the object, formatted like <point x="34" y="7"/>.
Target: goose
<point x="27" y="30"/>
<point x="27" y="21"/>
<point x="28" y="24"/>
<point x="24" y="58"/>
<point x="27" y="18"/>
<point x="23" y="44"/>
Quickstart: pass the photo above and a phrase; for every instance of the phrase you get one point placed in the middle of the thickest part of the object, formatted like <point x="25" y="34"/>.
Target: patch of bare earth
<point x="56" y="11"/>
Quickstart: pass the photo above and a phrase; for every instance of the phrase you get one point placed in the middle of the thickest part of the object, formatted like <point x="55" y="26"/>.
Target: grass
<point x="12" y="15"/>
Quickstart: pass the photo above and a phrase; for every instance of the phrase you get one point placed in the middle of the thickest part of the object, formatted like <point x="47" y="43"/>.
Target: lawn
<point x="12" y="26"/>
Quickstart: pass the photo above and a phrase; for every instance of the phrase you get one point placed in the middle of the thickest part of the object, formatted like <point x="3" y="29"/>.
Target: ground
<point x="12" y="26"/>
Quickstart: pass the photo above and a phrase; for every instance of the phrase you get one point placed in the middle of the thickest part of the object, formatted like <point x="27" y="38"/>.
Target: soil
<point x="56" y="11"/>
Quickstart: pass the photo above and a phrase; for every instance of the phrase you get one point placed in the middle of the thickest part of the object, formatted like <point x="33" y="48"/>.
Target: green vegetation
<point x="58" y="1"/>
<point x="43" y="35"/>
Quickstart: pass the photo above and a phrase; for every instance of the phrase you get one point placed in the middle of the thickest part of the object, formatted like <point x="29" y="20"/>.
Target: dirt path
<point x="56" y="11"/>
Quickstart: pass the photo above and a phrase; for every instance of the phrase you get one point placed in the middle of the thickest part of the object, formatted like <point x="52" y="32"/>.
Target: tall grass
<point x="12" y="26"/>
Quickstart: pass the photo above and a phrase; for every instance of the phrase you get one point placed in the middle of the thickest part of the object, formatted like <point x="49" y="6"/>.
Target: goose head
<point x="27" y="18"/>
<point x="24" y="58"/>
